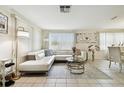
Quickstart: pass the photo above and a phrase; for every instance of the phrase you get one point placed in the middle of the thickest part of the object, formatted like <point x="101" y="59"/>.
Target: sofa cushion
<point x="62" y="57"/>
<point x="63" y="52"/>
<point x="35" y="55"/>
<point x="40" y="55"/>
<point x="48" y="59"/>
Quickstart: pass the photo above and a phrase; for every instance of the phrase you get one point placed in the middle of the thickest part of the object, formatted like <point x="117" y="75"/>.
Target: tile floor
<point x="59" y="76"/>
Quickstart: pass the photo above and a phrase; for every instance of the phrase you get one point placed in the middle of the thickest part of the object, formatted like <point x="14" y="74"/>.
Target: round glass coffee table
<point x="76" y="66"/>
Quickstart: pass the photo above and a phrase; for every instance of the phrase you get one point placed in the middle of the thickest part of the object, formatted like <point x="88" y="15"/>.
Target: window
<point x="61" y="41"/>
<point x="107" y="39"/>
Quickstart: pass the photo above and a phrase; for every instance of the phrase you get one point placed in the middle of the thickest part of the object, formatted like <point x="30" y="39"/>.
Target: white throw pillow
<point x="39" y="56"/>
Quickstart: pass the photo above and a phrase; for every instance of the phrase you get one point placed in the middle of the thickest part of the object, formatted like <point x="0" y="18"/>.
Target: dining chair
<point x="115" y="56"/>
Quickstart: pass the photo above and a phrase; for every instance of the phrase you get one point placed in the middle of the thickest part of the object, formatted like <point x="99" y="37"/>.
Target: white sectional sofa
<point x="40" y="62"/>
<point x="61" y="55"/>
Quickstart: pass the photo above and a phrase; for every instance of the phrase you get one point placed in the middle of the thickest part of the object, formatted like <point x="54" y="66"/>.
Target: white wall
<point x="7" y="41"/>
<point x="5" y="47"/>
<point x="37" y="39"/>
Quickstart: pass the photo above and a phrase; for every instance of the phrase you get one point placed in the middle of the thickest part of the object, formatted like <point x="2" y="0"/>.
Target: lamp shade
<point x="23" y="34"/>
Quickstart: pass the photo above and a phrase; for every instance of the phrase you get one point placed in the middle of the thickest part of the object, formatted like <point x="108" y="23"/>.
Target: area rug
<point x="61" y="71"/>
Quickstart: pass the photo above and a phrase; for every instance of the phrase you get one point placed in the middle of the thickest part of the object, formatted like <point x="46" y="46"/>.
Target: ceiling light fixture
<point x="65" y="8"/>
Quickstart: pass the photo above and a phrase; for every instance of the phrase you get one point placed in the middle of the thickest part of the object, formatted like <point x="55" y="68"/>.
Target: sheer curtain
<point x="107" y="39"/>
<point x="61" y="41"/>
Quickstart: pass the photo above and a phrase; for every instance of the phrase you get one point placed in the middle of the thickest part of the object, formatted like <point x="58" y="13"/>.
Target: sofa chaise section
<point x="42" y="65"/>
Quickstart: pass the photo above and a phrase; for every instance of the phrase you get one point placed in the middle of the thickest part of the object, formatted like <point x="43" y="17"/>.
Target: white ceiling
<point x="80" y="17"/>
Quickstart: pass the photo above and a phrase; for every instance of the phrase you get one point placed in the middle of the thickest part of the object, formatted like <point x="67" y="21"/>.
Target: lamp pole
<point x="16" y="51"/>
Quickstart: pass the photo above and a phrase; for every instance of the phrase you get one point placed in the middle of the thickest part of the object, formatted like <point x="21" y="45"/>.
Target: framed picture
<point x="3" y="23"/>
<point x="87" y="37"/>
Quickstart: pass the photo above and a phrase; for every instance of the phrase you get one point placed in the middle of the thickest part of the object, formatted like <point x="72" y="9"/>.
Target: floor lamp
<point x="19" y="33"/>
<point x="16" y="76"/>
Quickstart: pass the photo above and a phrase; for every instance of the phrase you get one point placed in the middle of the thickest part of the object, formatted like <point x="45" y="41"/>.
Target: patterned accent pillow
<point x="49" y="52"/>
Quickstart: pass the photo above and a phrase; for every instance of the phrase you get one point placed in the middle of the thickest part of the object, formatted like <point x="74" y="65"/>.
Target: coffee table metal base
<point x="76" y="68"/>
